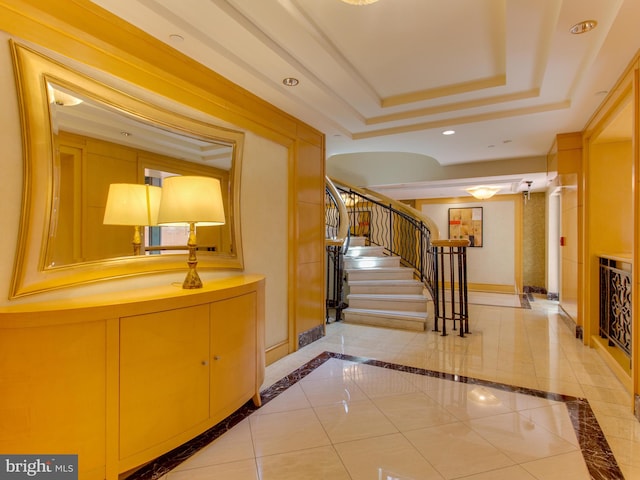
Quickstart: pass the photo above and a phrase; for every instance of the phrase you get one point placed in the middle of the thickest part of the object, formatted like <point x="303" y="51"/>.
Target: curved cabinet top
<point x="126" y="303"/>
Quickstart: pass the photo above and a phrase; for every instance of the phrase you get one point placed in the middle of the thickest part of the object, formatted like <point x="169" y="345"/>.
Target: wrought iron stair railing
<point x="400" y="229"/>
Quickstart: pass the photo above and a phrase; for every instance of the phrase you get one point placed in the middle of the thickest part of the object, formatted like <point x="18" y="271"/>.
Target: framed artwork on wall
<point x="466" y="223"/>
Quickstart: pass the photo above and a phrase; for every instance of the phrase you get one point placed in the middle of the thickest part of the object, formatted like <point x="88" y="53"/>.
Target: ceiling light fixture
<point x="483" y="192"/>
<point x="359" y="2"/>
<point x="290" y="81"/>
<point x="583" y="27"/>
<point x="448" y="132"/>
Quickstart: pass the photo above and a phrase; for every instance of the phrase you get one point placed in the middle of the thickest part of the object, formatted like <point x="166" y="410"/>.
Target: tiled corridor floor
<point x="339" y="418"/>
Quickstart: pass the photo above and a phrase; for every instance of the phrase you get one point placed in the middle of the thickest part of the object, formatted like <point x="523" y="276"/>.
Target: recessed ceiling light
<point x="448" y="132"/>
<point x="290" y="81"/>
<point x="583" y="27"/>
<point x="125" y="134"/>
<point x="176" y="38"/>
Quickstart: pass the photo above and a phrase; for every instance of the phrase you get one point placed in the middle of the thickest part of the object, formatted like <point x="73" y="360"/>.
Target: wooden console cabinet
<point x="123" y="378"/>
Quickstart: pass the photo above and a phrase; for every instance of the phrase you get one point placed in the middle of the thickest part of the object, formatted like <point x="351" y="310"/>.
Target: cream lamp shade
<point x="191" y="199"/>
<point x="132" y="204"/>
<point x="483" y="192"/>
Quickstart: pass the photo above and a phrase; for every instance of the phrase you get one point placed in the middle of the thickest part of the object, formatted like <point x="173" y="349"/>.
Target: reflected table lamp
<point x="132" y="204"/>
<point x="193" y="201"/>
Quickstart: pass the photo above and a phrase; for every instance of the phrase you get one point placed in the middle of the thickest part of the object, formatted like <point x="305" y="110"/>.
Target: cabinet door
<point x="164" y="377"/>
<point x="233" y="350"/>
<point x="52" y="393"/>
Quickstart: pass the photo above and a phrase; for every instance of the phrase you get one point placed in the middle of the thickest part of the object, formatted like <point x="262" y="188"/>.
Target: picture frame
<point x="466" y="223"/>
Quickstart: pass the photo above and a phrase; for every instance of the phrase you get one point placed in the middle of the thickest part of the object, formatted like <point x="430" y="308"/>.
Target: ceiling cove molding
<point x="461" y="120"/>
<point x="452" y="107"/>
<point x="445" y="91"/>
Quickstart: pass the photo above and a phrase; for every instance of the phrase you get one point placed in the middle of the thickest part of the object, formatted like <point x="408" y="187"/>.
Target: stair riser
<point x="387" y="289"/>
<point x="365" y="252"/>
<point x="371" y="262"/>
<point x="357" y="241"/>
<point x="383" y="304"/>
<point x="356" y="275"/>
<point x="387" y="322"/>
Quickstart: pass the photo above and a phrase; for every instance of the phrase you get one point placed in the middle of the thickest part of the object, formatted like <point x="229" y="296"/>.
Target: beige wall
<point x="497" y="265"/>
<point x="570" y="177"/>
<point x="264" y="198"/>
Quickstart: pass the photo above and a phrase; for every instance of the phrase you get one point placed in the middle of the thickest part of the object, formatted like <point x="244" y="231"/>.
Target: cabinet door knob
<point x="216" y="357"/>
<point x="205" y="363"/>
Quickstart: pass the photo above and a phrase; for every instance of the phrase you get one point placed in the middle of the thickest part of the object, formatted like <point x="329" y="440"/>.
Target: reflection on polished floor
<point x="433" y="407"/>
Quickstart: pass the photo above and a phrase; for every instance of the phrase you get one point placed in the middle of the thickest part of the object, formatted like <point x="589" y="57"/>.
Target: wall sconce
<point x="191" y="200"/>
<point x="132" y="204"/>
<point x="482" y="192"/>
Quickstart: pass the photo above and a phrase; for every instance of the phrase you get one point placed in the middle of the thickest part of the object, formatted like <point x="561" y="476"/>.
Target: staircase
<point x="381" y="292"/>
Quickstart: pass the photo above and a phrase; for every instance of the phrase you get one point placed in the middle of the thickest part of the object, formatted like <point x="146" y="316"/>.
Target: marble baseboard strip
<point x="524" y="301"/>
<point x="533" y="289"/>
<point x="593" y="444"/>
<point x="310" y="336"/>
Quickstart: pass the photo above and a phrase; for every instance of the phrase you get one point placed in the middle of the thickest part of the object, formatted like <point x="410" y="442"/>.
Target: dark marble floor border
<point x="594" y="446"/>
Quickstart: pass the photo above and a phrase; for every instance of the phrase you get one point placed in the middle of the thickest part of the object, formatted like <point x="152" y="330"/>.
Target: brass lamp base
<point x="192" y="280"/>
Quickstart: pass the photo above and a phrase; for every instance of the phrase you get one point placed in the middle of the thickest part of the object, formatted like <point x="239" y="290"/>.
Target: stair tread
<point x="379" y="269"/>
<point x="370" y="257"/>
<point x="400" y="281"/>
<point x="362" y="249"/>
<point x="388" y="296"/>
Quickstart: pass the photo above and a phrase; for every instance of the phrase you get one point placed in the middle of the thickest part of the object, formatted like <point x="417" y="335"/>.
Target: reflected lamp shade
<point x="132" y="204"/>
<point x="191" y="199"/>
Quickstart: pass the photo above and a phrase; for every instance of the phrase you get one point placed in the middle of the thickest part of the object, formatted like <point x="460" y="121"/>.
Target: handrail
<point x="343" y="226"/>
<point x="337" y="243"/>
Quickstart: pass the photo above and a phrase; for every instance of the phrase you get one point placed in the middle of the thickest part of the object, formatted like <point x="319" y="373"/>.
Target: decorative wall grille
<point x="615" y="303"/>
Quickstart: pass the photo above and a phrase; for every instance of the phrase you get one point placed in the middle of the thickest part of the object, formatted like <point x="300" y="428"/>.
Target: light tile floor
<point x="352" y="421"/>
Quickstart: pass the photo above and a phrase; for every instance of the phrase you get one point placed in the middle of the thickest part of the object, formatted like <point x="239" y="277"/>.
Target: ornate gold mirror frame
<point x="32" y="273"/>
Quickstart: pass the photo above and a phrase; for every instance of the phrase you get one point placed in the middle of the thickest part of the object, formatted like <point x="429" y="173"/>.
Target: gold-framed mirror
<point x="80" y="135"/>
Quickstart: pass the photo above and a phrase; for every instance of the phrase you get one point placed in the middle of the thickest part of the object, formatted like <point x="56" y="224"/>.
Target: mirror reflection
<point x="83" y="133"/>
<point x="96" y="146"/>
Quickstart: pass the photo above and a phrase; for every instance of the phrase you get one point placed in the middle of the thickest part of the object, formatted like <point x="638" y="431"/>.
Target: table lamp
<point x="132" y="204"/>
<point x="191" y="200"/>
